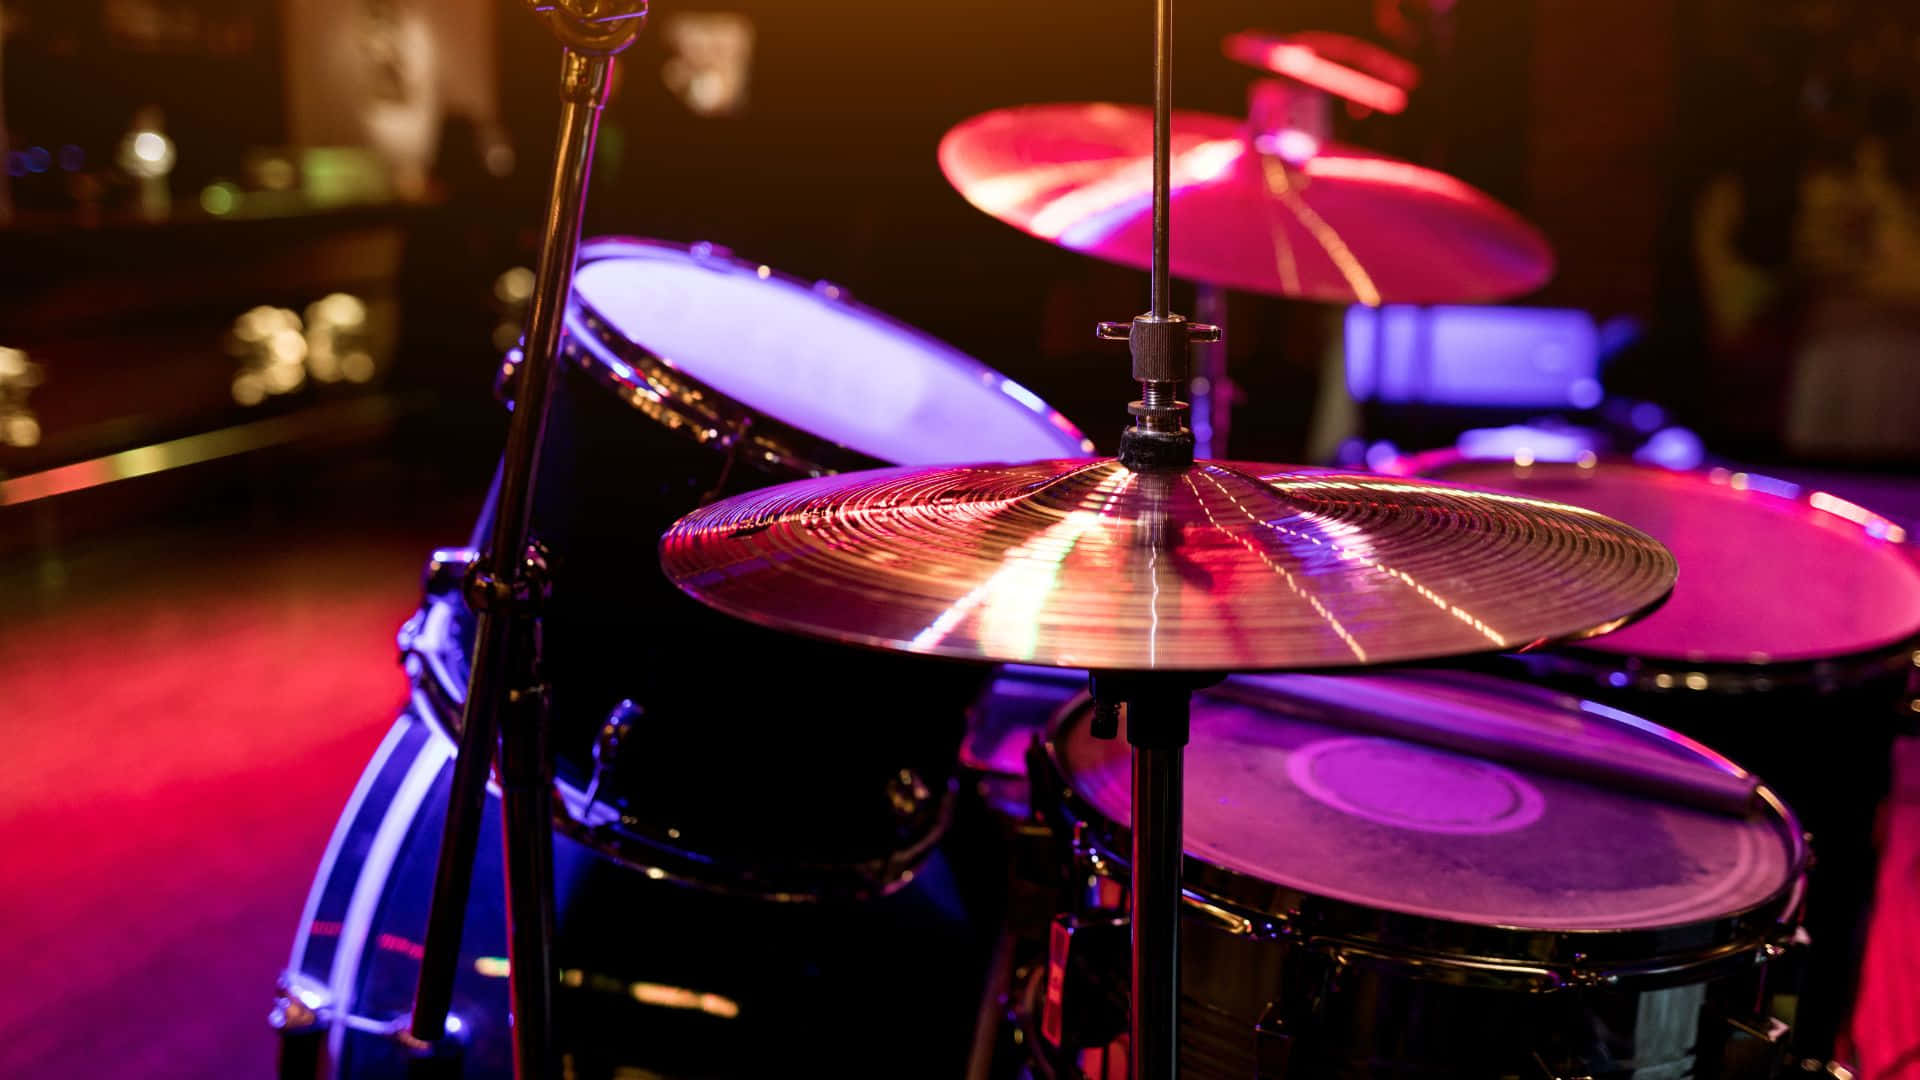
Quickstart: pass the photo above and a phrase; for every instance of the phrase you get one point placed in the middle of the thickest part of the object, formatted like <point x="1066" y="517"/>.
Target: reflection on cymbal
<point x="1346" y="67"/>
<point x="1083" y="563"/>
<point x="1316" y="222"/>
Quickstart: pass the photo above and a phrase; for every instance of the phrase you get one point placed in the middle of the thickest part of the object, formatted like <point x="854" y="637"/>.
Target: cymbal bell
<point x="1084" y="563"/>
<point x="1324" y="222"/>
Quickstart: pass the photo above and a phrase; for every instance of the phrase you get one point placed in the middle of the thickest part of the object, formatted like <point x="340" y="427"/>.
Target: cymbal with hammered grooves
<point x="1279" y="213"/>
<point x="1084" y="563"/>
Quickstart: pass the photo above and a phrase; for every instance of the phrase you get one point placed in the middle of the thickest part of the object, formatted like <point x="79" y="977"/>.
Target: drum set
<point x="821" y="746"/>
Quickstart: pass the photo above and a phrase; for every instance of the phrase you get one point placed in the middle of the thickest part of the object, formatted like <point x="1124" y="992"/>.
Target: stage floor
<point x="186" y="714"/>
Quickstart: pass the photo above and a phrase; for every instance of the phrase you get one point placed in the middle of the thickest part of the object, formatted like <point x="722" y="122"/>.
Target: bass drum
<point x="722" y="754"/>
<point x="655" y="980"/>
<point x="1361" y="905"/>
<point x="1788" y="644"/>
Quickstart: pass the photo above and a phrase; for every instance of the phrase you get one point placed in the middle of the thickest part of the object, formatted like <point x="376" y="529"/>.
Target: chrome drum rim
<point x="1491" y="955"/>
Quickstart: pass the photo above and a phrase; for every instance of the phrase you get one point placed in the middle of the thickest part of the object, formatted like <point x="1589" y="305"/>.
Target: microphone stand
<point x="505" y="708"/>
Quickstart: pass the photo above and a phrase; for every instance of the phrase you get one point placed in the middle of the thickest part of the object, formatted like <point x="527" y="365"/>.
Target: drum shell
<point x="654" y="978"/>
<point x="1821" y="731"/>
<point x="747" y="761"/>
<point x="1823" y="735"/>
<point x="755" y="749"/>
<point x="1275" y="1008"/>
<point x="1282" y="982"/>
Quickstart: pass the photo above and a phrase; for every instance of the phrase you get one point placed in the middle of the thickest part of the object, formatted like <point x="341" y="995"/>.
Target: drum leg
<point x="1157" y="726"/>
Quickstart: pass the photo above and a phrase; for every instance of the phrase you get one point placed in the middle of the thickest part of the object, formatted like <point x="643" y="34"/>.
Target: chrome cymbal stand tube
<point x="1158" y="443"/>
<point x="505" y="703"/>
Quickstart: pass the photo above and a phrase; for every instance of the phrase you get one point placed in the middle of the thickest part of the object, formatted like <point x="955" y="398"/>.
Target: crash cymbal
<point x="1346" y="67"/>
<point x="1084" y="563"/>
<point x="1329" y="223"/>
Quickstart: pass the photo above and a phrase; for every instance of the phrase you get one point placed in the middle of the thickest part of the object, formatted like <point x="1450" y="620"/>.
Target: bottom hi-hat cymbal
<point x="1084" y="563"/>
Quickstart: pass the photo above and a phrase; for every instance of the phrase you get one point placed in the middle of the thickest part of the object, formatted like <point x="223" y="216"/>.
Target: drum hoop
<point x="1486" y="954"/>
<point x="681" y="402"/>
<point x="1661" y="674"/>
<point x="423" y="654"/>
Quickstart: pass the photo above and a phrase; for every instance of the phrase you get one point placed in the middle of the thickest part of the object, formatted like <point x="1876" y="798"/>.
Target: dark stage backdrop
<point x="830" y="170"/>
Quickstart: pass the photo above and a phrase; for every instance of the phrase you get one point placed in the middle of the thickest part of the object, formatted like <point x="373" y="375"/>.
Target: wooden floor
<point x="185" y="717"/>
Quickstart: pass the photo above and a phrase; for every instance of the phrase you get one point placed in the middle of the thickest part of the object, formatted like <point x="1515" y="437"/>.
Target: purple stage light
<point x="1473" y="356"/>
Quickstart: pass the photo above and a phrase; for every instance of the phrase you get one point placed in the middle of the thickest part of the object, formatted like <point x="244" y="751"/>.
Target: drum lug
<point x="907" y="795"/>
<point x="301" y="1004"/>
<point x="713" y="256"/>
<point x="734" y="442"/>
<point x="1548" y="1072"/>
<point x="302" y="1013"/>
<point x="1274" y="1046"/>
<point x="1078" y="1007"/>
<point x="447" y="568"/>
<point x="523" y="591"/>
<point x="1751" y="1045"/>
<point x="606" y="745"/>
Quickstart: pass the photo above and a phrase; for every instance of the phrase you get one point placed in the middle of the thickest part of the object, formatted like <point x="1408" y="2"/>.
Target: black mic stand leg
<point x="505" y="704"/>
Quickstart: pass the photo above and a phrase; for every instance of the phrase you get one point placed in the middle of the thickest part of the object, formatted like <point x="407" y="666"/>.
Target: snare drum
<point x="1362" y="906"/>
<point x="691" y="745"/>
<point x="1789" y="644"/>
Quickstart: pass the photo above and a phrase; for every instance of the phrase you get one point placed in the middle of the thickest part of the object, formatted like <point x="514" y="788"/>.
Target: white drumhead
<point x="824" y="365"/>
<point x="1283" y="789"/>
<point x="1764" y="577"/>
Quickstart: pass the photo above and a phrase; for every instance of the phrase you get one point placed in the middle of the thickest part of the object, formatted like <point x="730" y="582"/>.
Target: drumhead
<point x="807" y="356"/>
<point x="1766" y="576"/>
<point x="1286" y="787"/>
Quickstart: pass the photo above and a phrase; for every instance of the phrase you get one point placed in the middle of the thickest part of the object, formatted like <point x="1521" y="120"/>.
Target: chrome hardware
<point x="591" y="11"/>
<point x="447" y="569"/>
<point x="1081" y="1007"/>
<point x="593" y="28"/>
<point x="606" y="745"/>
<point x="704" y="252"/>
<point x="484" y="591"/>
<point x="1273" y="1043"/>
<point x="907" y="792"/>
<point x="301" y="1005"/>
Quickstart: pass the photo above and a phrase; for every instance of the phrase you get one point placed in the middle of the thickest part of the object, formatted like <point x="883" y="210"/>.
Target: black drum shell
<point x="755" y="749"/>
<point x="1284" y="983"/>
<point x="1820" y="731"/>
<point x="667" y="981"/>
<point x="1822" y="734"/>
<point x="1281" y="1009"/>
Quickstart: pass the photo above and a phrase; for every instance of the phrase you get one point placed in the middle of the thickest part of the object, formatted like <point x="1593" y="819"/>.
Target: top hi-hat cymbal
<point x="1323" y="222"/>
<point x="1084" y="563"/>
<point x="1346" y="67"/>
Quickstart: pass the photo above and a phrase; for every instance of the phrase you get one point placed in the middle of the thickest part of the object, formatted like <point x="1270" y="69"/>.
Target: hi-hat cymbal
<point x="1327" y="222"/>
<point x="1083" y="563"/>
<point x="1346" y="67"/>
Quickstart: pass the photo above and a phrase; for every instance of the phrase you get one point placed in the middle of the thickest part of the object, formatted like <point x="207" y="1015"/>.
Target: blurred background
<point x="259" y="262"/>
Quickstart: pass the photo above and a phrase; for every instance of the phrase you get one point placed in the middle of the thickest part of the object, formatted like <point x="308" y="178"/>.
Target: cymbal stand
<point x="505" y="702"/>
<point x="1157" y="444"/>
